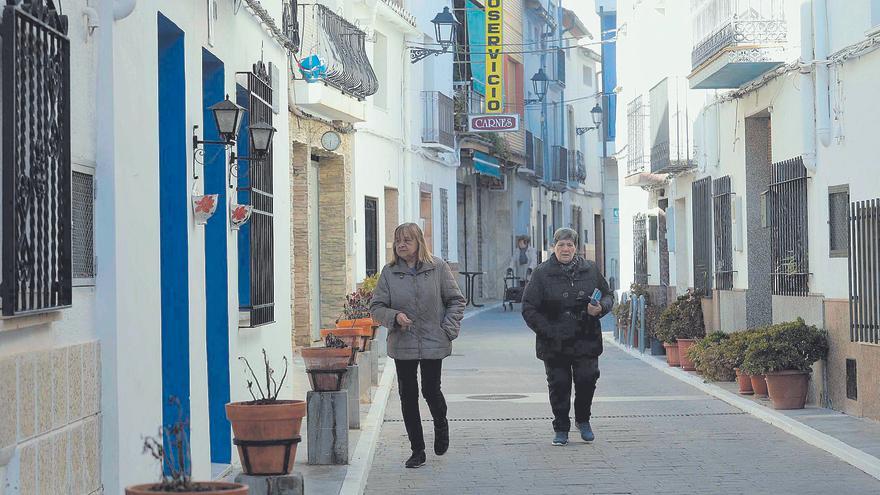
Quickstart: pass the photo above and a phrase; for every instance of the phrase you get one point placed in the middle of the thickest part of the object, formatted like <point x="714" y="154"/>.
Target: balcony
<point x="559" y="165"/>
<point x="438" y="121"/>
<point x="671" y="140"/>
<point x="637" y="123"/>
<point x="465" y="102"/>
<point x="735" y="41"/>
<point x="349" y="78"/>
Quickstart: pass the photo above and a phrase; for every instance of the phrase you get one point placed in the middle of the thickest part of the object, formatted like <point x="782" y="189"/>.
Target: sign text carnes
<point x="494" y="61"/>
<point x="493" y="123"/>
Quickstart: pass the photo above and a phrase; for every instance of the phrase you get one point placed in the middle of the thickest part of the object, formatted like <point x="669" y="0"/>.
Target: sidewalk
<point x="655" y="433"/>
<point x="852" y="439"/>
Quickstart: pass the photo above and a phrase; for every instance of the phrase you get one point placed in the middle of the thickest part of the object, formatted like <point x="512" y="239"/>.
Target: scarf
<point x="569" y="268"/>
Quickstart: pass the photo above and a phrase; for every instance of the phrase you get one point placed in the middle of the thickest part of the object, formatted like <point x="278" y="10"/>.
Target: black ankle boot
<point x="441" y="437"/>
<point x="417" y="459"/>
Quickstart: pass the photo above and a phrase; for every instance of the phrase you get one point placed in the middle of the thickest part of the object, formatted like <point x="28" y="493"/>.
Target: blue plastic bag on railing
<point x="312" y="68"/>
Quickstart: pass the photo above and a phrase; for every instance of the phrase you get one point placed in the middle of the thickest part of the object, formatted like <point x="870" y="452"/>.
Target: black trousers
<point x="584" y="372"/>
<point x="408" y="386"/>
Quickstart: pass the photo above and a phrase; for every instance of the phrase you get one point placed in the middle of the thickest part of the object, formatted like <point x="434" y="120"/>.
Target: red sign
<point x="493" y="123"/>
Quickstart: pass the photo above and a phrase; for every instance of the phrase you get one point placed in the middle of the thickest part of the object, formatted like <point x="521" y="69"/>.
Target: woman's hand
<point x="403" y="320"/>
<point x="592" y="309"/>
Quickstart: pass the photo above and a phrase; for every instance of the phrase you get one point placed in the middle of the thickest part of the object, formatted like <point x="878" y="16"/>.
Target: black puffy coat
<point x="554" y="306"/>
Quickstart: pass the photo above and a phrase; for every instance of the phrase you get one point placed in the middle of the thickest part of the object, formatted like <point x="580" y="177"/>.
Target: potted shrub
<point x="173" y="453"/>
<point x="356" y="310"/>
<point x="786" y="356"/>
<point x="687" y="325"/>
<point x="734" y="352"/>
<point x="266" y="429"/>
<point x="621" y="312"/>
<point x="327" y="366"/>
<point x="664" y="331"/>
<point x="709" y="358"/>
<point x="652" y="318"/>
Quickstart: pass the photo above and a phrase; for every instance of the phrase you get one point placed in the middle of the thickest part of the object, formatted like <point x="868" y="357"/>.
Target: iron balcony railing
<point x="560" y="164"/>
<point x="340" y="45"/>
<point x="438" y="126"/>
<point x="466" y="102"/>
<point x="671" y="139"/>
<point x="636" y="122"/>
<point x="719" y="24"/>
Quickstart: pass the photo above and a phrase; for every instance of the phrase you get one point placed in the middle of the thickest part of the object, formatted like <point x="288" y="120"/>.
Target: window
<point x="513" y="87"/>
<point x="864" y="279"/>
<point x="701" y="192"/>
<point x="256" y="253"/>
<point x="36" y="211"/>
<point x="640" y="250"/>
<point x="426" y="214"/>
<point x="636" y="118"/>
<point x="380" y="66"/>
<point x="371" y="235"/>
<point x="588" y="75"/>
<point x="838" y="221"/>
<point x="444" y="223"/>
<point x="83" y="209"/>
<point x="723" y="233"/>
<point x="787" y="207"/>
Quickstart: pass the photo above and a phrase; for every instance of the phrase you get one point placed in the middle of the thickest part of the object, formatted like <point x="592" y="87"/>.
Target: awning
<point x="487" y="165"/>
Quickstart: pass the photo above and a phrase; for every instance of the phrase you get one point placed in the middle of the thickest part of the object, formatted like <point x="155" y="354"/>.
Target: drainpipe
<point x="820" y="33"/>
<point x="123" y="8"/>
<point x="808" y="88"/>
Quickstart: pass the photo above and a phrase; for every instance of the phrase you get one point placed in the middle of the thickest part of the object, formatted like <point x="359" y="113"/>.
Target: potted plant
<point x="173" y="452"/>
<point x="709" y="358"/>
<point x="266" y="429"/>
<point x="664" y="332"/>
<point x="734" y="350"/>
<point x="687" y="325"/>
<point x="785" y="356"/>
<point x="652" y="319"/>
<point x="327" y="366"/>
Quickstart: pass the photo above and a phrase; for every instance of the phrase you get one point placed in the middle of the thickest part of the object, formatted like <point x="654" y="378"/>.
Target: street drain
<point x="496" y="397"/>
<point x="549" y="418"/>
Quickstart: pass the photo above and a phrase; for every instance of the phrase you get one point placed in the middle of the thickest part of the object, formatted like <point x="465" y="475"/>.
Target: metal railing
<point x="559" y="157"/>
<point x="721" y="195"/>
<point x="640" y="249"/>
<point x="466" y="102"/>
<point x="718" y="24"/>
<point x="438" y="124"/>
<point x="636" y="120"/>
<point x="341" y="45"/>
<point x="787" y="212"/>
<point x="864" y="271"/>
<point x="701" y="191"/>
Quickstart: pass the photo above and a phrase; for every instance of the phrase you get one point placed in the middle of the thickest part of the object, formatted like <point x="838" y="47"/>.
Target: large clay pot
<point x="788" y="389"/>
<point x="214" y="488"/>
<point x="671" y="354"/>
<point x="279" y="422"/>
<point x="320" y="359"/>
<point x="759" y="385"/>
<point x="360" y="322"/>
<point x="353" y="336"/>
<point x="744" y="381"/>
<point x="687" y="363"/>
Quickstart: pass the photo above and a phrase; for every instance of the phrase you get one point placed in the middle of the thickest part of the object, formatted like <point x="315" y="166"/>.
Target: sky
<point x="586" y="11"/>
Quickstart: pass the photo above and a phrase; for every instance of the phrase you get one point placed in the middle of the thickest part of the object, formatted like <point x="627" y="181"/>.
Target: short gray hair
<point x="565" y="234"/>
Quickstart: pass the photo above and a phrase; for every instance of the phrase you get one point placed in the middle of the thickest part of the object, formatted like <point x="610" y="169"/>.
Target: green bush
<point x="652" y="320"/>
<point x="786" y="346"/>
<point x="683" y="319"/>
<point x="734" y="349"/>
<point x="709" y="357"/>
<point x="621" y="311"/>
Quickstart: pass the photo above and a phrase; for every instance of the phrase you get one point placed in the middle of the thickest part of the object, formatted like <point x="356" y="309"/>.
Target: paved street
<point x="654" y="433"/>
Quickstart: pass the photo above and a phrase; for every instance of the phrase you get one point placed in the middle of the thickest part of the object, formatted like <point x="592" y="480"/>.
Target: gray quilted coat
<point x="430" y="297"/>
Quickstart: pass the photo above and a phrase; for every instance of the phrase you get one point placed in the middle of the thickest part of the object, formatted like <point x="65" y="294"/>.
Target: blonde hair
<point x="414" y="231"/>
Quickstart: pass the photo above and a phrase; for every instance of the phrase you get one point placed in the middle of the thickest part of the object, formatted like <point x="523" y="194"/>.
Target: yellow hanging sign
<point x="494" y="61"/>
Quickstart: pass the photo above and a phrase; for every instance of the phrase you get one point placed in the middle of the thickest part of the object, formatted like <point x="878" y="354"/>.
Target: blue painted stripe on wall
<point x="609" y="71"/>
<point x="216" y="266"/>
<point x="242" y="96"/>
<point x="174" y="202"/>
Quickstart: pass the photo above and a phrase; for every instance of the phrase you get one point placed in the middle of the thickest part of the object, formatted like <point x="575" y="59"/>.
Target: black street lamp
<point x="540" y="82"/>
<point x="445" y="28"/>
<point x="260" y="135"/>
<point x="227" y="118"/>
<point x="596" y="115"/>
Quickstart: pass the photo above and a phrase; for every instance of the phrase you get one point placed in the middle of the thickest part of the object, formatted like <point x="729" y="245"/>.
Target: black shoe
<point x="416" y="460"/>
<point x="441" y="438"/>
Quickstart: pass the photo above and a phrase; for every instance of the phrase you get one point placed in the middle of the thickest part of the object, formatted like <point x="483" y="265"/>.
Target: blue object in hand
<point x="596" y="297"/>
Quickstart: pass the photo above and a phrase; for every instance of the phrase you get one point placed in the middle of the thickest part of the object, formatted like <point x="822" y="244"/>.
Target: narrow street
<point x="654" y="434"/>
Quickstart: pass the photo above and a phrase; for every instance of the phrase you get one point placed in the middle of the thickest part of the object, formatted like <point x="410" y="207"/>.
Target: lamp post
<point x="445" y="28"/>
<point x="596" y="115"/>
<point x="260" y="135"/>
<point x="540" y="82"/>
<point x="227" y="118"/>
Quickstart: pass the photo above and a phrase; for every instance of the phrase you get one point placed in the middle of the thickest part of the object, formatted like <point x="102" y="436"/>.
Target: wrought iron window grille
<point x="864" y="276"/>
<point x="701" y="192"/>
<point x="787" y="218"/>
<point x="36" y="177"/>
<point x="722" y="196"/>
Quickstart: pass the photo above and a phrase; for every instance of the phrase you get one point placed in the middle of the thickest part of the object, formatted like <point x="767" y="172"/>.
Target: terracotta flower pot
<point x="213" y="488"/>
<point x="353" y="337"/>
<point x="687" y="363"/>
<point x="788" y="389"/>
<point x="280" y="422"/>
<point x="744" y="381"/>
<point x="759" y="385"/>
<point x="672" y="354"/>
<point x="319" y="359"/>
<point x="359" y="322"/>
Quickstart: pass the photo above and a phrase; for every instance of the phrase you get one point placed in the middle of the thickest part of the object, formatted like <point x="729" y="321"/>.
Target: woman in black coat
<point x="568" y="335"/>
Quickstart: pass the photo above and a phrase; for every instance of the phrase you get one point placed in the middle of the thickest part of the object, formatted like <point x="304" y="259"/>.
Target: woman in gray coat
<point x="420" y="303"/>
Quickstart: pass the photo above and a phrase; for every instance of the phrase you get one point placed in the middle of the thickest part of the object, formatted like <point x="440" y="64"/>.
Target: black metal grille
<point x="342" y="46"/>
<point x="371" y="235"/>
<point x="530" y="151"/>
<point x="259" y="186"/>
<point x="539" y="157"/>
<point x="83" y="225"/>
<point x="640" y="250"/>
<point x="838" y="221"/>
<point x="636" y="118"/>
<point x="560" y="164"/>
<point x="787" y="208"/>
<point x="852" y="382"/>
<point x="723" y="234"/>
<point x="36" y="158"/>
<point x="701" y="191"/>
<point x="864" y="271"/>
<point x="580" y="170"/>
<point x="438" y="124"/>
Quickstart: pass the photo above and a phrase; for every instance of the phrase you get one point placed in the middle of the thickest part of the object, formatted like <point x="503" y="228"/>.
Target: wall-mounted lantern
<point x="445" y="28"/>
